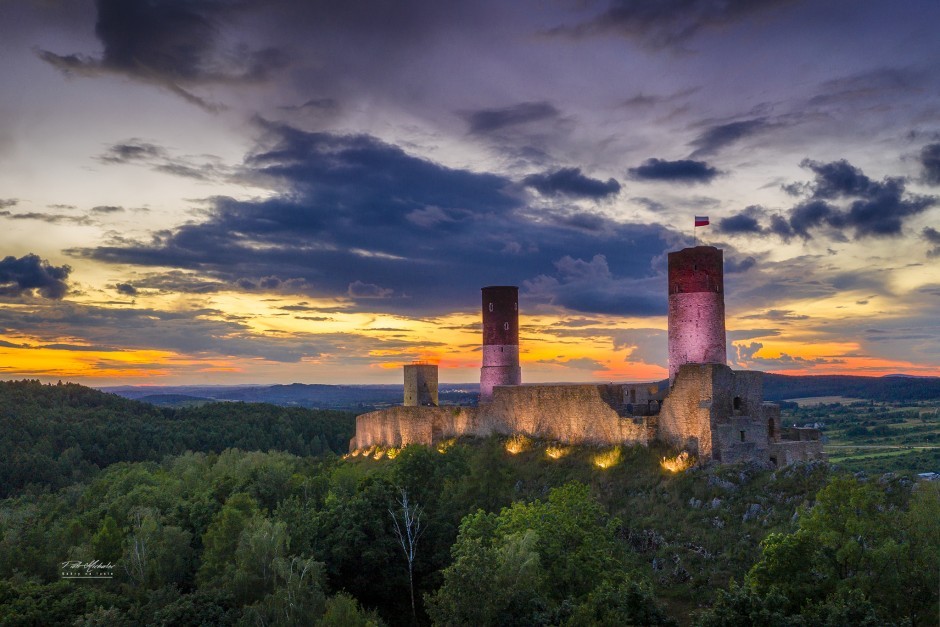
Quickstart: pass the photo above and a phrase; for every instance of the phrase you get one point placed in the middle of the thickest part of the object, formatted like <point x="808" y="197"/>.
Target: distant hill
<point x="175" y="400"/>
<point x="362" y="398"/>
<point x="358" y="398"/>
<point x="53" y="435"/>
<point x="778" y="387"/>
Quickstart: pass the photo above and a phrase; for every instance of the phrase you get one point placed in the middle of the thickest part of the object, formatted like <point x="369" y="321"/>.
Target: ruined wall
<point x="696" y="322"/>
<point x="400" y="426"/>
<point x="786" y="452"/>
<point x="740" y="438"/>
<point x="701" y="392"/>
<point x="574" y="414"/>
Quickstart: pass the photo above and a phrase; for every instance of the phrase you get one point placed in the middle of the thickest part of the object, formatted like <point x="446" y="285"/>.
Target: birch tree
<point x="408" y="529"/>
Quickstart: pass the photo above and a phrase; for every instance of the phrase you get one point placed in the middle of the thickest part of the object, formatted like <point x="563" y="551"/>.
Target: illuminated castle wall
<point x="706" y="408"/>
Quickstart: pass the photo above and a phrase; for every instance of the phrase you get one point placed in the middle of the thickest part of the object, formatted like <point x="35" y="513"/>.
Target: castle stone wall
<point x="401" y="426"/>
<point x="574" y="414"/>
<point x="686" y="418"/>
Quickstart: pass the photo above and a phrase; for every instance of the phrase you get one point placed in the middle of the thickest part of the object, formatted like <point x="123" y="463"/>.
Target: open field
<point x="824" y="400"/>
<point x="875" y="437"/>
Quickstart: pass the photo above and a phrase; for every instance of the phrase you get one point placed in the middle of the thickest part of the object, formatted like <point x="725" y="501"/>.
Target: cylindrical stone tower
<point x="696" y="308"/>
<point x="500" y="339"/>
<point x="420" y="385"/>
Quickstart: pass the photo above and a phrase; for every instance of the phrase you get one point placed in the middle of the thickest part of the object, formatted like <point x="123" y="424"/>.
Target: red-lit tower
<point x="500" y="339"/>
<point x="696" y="308"/>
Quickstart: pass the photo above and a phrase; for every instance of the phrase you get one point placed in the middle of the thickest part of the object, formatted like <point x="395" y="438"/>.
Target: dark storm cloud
<point x="682" y="171"/>
<point x="734" y="265"/>
<point x="842" y="200"/>
<point x="172" y="43"/>
<point x="126" y="288"/>
<point x="570" y="182"/>
<point x="744" y="222"/>
<point x="838" y="178"/>
<point x="930" y="161"/>
<point x="667" y="23"/>
<point x="932" y="236"/>
<point x="716" y="137"/>
<point x="361" y="219"/>
<point x="486" y="121"/>
<point x="30" y="274"/>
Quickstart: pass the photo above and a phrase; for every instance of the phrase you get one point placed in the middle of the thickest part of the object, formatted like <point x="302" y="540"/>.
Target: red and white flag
<point x="701" y="220"/>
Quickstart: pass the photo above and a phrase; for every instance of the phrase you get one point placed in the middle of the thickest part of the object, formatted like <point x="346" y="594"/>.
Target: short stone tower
<point x="420" y="385"/>
<point x="696" y="308"/>
<point x="500" y="339"/>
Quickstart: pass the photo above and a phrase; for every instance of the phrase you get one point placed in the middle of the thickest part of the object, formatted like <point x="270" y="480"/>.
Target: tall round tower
<point x="500" y="339"/>
<point x="696" y="308"/>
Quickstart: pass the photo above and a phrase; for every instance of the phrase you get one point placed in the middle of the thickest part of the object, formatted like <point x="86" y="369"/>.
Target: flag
<point x="701" y="220"/>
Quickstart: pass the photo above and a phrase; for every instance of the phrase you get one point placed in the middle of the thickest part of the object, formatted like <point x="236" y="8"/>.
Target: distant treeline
<point x="54" y="435"/>
<point x="359" y="398"/>
<point x="778" y="387"/>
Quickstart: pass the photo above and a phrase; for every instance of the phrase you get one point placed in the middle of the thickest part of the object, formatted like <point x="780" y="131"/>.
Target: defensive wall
<point x="573" y="414"/>
<point x="705" y="408"/>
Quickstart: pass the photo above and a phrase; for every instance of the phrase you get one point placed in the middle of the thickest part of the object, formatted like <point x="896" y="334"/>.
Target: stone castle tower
<point x="500" y="339"/>
<point x="420" y="385"/>
<point x="696" y="308"/>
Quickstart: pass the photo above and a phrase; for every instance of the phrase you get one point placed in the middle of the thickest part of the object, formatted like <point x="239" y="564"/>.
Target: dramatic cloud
<point x="714" y="138"/>
<point x="51" y="218"/>
<point x="360" y="219"/>
<point x="868" y="208"/>
<point x="126" y="288"/>
<point x="486" y="121"/>
<point x="663" y="23"/>
<point x="570" y="182"/>
<point x="132" y="150"/>
<point x="591" y="286"/>
<point x="30" y="274"/>
<point x="159" y="159"/>
<point x="744" y="222"/>
<point x="172" y="43"/>
<point x="930" y="160"/>
<point x="8" y="202"/>
<point x="682" y="171"/>
<point x="932" y="236"/>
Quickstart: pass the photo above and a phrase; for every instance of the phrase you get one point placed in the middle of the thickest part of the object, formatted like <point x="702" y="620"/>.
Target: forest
<point x="249" y="514"/>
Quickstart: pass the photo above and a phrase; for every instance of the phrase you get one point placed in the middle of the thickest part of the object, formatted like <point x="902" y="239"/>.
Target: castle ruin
<point x="705" y="408"/>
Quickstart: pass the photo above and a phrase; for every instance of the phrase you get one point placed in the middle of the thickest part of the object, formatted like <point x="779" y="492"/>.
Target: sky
<point x="270" y="191"/>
